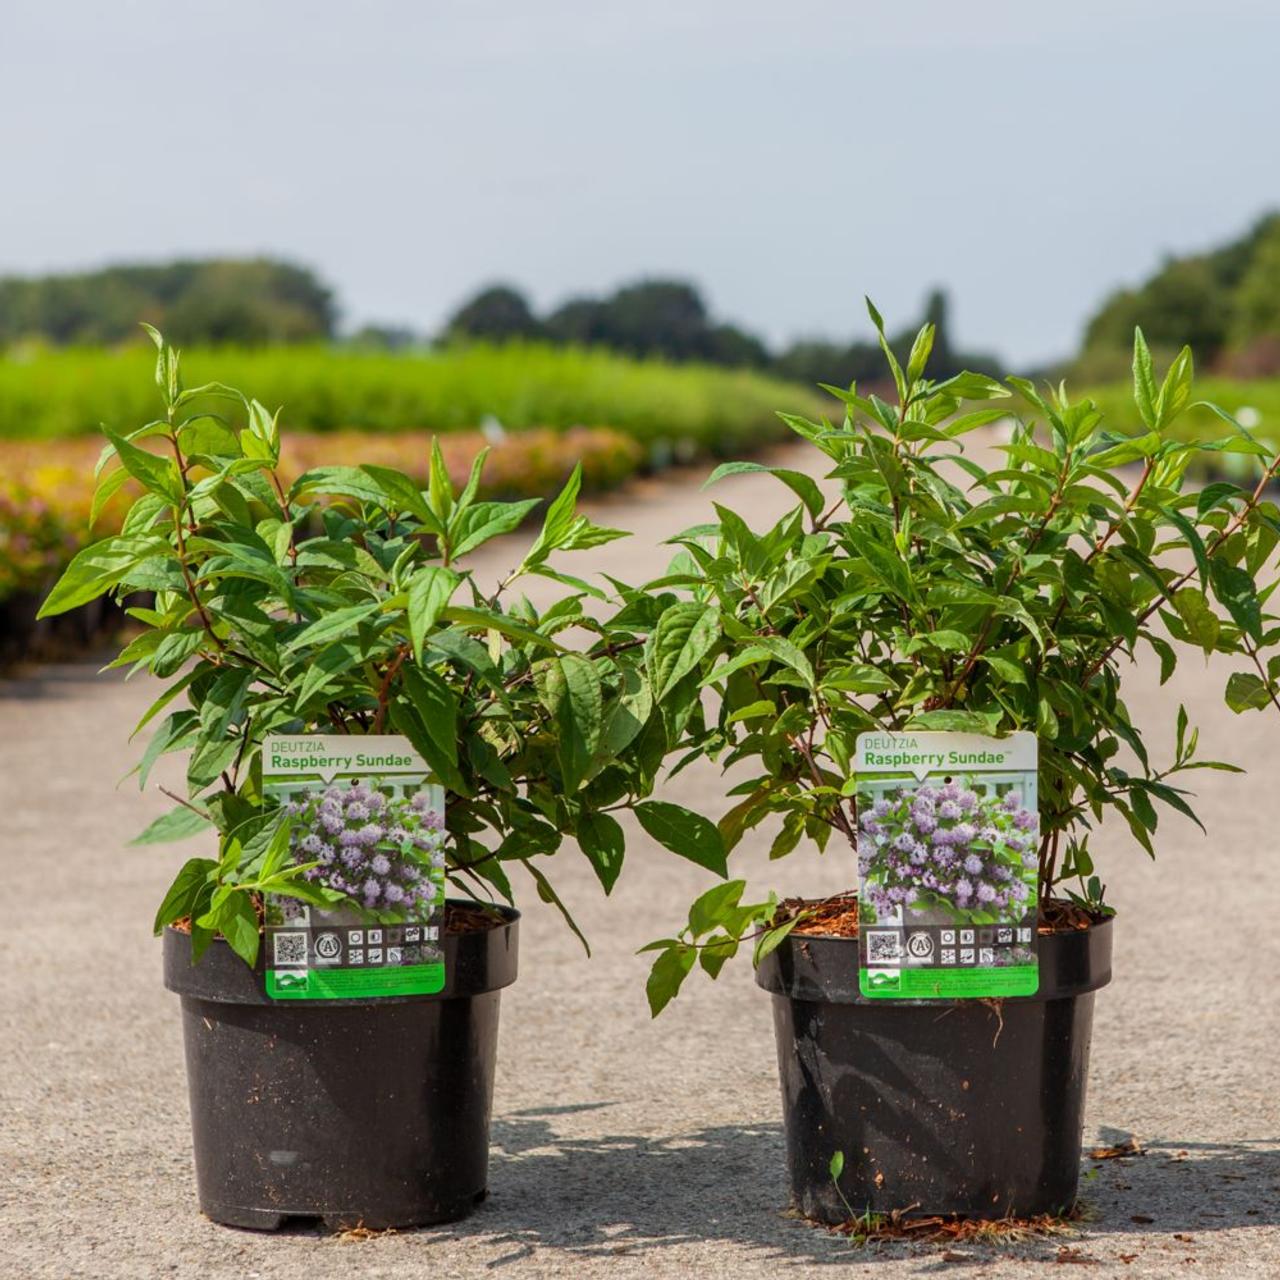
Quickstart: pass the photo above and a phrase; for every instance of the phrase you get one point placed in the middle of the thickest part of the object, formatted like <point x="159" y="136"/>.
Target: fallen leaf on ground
<point x="1129" y="1147"/>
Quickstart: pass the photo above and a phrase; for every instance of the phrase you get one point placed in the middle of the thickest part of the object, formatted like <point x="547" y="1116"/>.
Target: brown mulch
<point x="899" y="1226"/>
<point x="837" y="916"/>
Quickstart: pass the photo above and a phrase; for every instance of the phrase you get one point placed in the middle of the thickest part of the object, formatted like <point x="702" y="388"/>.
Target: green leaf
<point x="836" y="1167"/>
<point x="685" y="833"/>
<point x="487" y="520"/>
<point x="237" y="921"/>
<point x="187" y="894"/>
<point x="1145" y="392"/>
<point x="179" y="823"/>
<point x="401" y="494"/>
<point x="430" y="590"/>
<point x="669" y="970"/>
<point x="771" y="940"/>
<point x="804" y="487"/>
<point x="1246" y="692"/>
<point x="570" y="689"/>
<point x="1200" y="620"/>
<point x="558" y="521"/>
<point x="1236" y="591"/>
<point x="504" y="625"/>
<point x="156" y="474"/>
<point x="685" y="633"/>
<point x="786" y="653"/>
<point x="439" y="486"/>
<point x="709" y="910"/>
<point x="920" y="351"/>
<point x="343" y="482"/>
<point x="333" y="626"/>
<point x="406" y="721"/>
<point x="601" y="838"/>
<point x="1175" y="391"/>
<point x="94" y="570"/>
<point x="549" y="896"/>
<point x="173" y="734"/>
<point x="437" y="708"/>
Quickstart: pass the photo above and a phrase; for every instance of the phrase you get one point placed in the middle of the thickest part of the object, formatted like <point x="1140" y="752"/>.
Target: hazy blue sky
<point x="788" y="156"/>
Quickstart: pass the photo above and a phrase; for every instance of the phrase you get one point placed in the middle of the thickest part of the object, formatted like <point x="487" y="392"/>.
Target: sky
<point x="787" y="157"/>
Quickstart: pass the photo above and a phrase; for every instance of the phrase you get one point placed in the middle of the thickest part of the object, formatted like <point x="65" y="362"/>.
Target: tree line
<point x="670" y="319"/>
<point x="247" y="302"/>
<point x="1224" y="303"/>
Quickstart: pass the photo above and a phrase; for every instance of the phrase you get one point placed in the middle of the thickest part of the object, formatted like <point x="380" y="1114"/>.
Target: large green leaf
<point x="486" y="520"/>
<point x="669" y="970"/>
<point x="401" y="494"/>
<point x="804" y="487"/>
<point x="430" y="589"/>
<point x="158" y="475"/>
<point x="503" y="624"/>
<point x="558" y="521"/>
<point x="95" y="570"/>
<point x="685" y="634"/>
<point x="178" y="824"/>
<point x="333" y="626"/>
<point x="436" y="705"/>
<point x="570" y="688"/>
<point x="685" y="833"/>
<point x="188" y="894"/>
<point x="600" y="838"/>
<point x="1246" y="692"/>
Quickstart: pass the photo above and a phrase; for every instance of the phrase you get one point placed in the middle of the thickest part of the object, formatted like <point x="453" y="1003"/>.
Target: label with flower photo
<point x="948" y="835"/>
<point x="369" y="816"/>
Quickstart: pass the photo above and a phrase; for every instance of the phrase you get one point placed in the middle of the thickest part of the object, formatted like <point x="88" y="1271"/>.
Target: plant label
<point x="948" y="838"/>
<point x="368" y="817"/>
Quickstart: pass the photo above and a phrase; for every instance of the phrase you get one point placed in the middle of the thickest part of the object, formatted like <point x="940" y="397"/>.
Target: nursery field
<point x="49" y="394"/>
<point x="624" y="1147"/>
<point x="540" y="409"/>
<point x="1255" y="403"/>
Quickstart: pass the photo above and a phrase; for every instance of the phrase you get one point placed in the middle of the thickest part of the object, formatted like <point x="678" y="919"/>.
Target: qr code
<point x="291" y="948"/>
<point x="883" y="946"/>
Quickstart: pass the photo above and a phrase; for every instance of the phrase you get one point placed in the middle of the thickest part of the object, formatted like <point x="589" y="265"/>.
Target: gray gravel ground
<point x="621" y="1147"/>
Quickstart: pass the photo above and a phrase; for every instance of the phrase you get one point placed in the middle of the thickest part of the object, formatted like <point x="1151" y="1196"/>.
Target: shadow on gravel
<point x="614" y="1195"/>
<point x="1184" y="1187"/>
<point x="618" y="1195"/>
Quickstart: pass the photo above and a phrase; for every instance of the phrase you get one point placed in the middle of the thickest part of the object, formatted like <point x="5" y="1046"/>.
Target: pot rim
<point x="823" y="968"/>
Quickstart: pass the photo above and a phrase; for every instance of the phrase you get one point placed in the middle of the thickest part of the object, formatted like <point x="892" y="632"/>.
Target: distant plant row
<point x="46" y="491"/>
<point x="672" y="411"/>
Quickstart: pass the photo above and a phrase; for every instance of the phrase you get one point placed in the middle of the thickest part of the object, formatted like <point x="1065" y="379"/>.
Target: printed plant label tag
<point x="948" y="839"/>
<point x="368" y="813"/>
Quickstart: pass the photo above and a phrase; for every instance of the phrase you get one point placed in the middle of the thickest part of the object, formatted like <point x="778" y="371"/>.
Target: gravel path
<point x="621" y="1147"/>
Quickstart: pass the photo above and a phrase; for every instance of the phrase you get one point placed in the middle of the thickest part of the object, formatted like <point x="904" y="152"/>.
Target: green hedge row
<point x="679" y="410"/>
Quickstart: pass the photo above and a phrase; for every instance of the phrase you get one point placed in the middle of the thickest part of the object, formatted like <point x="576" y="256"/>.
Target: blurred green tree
<point x="498" y="313"/>
<point x="243" y="301"/>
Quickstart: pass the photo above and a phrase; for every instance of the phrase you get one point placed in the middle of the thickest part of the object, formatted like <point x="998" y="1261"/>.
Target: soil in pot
<point x="939" y="1107"/>
<point x="369" y="1112"/>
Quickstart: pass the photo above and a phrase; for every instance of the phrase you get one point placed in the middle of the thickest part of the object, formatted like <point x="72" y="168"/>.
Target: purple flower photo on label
<point x="384" y="853"/>
<point x="956" y="850"/>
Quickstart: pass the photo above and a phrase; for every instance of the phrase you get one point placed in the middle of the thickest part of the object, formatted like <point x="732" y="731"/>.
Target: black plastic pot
<point x="939" y="1107"/>
<point x="369" y="1112"/>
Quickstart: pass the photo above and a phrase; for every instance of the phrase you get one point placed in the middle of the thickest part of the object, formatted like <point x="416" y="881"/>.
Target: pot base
<point x="235" y="1215"/>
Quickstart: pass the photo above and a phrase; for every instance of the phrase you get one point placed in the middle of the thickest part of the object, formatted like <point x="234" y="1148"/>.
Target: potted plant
<point x="930" y="589"/>
<point x="336" y="613"/>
